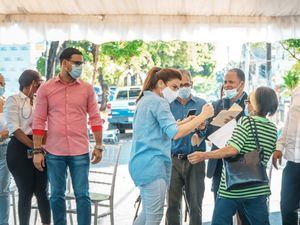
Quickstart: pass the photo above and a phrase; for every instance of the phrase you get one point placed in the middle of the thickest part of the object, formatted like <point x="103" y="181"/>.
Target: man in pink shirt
<point x="64" y="103"/>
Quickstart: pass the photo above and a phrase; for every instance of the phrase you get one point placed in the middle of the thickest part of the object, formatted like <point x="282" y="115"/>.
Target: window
<point x="122" y="95"/>
<point x="134" y="93"/>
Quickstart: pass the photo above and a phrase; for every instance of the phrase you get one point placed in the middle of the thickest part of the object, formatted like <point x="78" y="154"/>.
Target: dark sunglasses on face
<point x="77" y="63"/>
<point x="185" y="85"/>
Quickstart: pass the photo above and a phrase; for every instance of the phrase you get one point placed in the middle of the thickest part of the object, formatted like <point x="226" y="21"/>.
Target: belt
<point x="180" y="156"/>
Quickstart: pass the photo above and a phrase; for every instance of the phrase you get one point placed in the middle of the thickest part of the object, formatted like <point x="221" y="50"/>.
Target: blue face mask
<point x="184" y="92"/>
<point x="76" y="71"/>
<point x="2" y="90"/>
<point x="231" y="93"/>
<point x="246" y="111"/>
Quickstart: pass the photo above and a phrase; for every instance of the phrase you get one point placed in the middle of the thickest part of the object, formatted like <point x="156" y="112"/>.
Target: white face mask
<point x="169" y="94"/>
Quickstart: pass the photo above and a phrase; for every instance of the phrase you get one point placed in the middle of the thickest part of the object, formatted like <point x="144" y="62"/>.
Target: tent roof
<point x="191" y="20"/>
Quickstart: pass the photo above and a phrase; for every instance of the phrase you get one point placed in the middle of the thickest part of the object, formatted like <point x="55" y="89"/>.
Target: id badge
<point x="29" y="153"/>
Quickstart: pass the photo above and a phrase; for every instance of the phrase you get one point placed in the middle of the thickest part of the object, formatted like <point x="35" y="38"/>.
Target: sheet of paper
<point x="222" y="135"/>
<point x="225" y="115"/>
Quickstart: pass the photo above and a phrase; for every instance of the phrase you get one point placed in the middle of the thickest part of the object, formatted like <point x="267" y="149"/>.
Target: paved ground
<point x="126" y="193"/>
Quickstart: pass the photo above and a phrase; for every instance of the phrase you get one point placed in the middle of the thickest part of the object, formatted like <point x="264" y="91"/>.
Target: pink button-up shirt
<point x="64" y="107"/>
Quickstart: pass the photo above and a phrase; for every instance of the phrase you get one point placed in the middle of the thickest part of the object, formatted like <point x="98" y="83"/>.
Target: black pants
<point x="29" y="181"/>
<point x="290" y="193"/>
<point x="191" y="177"/>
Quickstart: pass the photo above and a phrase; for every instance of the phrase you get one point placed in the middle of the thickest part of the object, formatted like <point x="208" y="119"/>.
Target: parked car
<point x="121" y="109"/>
<point x="111" y="136"/>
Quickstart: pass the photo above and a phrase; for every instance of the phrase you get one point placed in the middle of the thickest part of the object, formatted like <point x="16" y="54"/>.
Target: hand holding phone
<point x="191" y="112"/>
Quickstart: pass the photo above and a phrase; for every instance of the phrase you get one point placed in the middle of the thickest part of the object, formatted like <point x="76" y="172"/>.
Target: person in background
<point x="4" y="172"/>
<point x="65" y="102"/>
<point x="153" y="129"/>
<point x="289" y="145"/>
<point x="251" y="200"/>
<point x="184" y="174"/>
<point x="18" y="111"/>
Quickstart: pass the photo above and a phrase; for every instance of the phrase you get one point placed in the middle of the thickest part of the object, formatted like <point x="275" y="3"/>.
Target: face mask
<point x="169" y="94"/>
<point x="246" y="111"/>
<point x="184" y="92"/>
<point x="76" y="71"/>
<point x="231" y="93"/>
<point x="2" y="90"/>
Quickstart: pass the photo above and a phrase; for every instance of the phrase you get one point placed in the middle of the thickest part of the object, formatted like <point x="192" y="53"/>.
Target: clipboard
<point x="225" y="115"/>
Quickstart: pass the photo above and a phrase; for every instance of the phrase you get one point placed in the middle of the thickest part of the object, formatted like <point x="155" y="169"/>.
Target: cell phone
<point x="191" y="112"/>
<point x="29" y="154"/>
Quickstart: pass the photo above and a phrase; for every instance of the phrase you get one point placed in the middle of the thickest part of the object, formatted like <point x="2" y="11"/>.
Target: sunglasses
<point x="247" y="101"/>
<point x="77" y="63"/>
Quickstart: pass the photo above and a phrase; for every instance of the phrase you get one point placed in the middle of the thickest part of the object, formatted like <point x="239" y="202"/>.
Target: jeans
<point x="153" y="199"/>
<point x="290" y="193"/>
<point x="4" y="186"/>
<point x="57" y="174"/>
<point x="191" y="177"/>
<point x="254" y="209"/>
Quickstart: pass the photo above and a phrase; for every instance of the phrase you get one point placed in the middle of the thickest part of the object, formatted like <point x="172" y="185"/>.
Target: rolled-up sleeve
<point x="239" y="135"/>
<point x="11" y="114"/>
<point x="93" y="111"/>
<point x="40" y="112"/>
<point x="166" y="119"/>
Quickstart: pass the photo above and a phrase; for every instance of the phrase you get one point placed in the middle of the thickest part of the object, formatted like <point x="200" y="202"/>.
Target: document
<point x="226" y="115"/>
<point x="222" y="135"/>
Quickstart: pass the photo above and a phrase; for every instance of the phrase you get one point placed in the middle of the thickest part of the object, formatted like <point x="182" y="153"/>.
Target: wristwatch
<point x="99" y="147"/>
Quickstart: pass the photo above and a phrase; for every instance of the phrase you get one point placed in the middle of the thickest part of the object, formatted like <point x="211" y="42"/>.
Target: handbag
<point x="246" y="170"/>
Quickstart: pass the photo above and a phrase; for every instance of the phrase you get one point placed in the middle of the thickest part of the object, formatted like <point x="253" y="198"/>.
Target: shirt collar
<point x="192" y="98"/>
<point x="57" y="79"/>
<point x="240" y="98"/>
<point x="262" y="119"/>
<point x="22" y="95"/>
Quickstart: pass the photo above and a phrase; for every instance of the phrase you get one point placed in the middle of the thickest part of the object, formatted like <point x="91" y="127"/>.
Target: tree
<point x="292" y="46"/>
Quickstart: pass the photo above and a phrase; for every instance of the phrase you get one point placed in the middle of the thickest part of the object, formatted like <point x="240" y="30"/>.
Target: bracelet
<point x="99" y="147"/>
<point x="38" y="151"/>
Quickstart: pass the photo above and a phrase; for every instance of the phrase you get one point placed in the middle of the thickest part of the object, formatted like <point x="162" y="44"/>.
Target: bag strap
<point x="254" y="132"/>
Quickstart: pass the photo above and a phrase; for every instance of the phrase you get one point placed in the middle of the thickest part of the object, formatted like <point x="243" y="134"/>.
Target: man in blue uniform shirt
<point x="185" y="175"/>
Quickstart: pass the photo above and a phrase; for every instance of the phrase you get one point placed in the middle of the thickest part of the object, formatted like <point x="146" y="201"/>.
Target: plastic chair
<point x="99" y="199"/>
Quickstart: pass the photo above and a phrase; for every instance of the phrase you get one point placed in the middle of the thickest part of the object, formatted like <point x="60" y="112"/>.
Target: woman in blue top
<point x="153" y="129"/>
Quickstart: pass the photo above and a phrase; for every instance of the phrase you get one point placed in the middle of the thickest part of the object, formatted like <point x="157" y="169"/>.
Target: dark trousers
<point x="216" y="180"/>
<point x="290" y="193"/>
<point x="29" y="181"/>
<point x="191" y="177"/>
<point x="255" y="210"/>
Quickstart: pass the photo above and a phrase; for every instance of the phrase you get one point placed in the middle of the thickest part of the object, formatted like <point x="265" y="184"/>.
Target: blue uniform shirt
<point x="179" y="111"/>
<point x="153" y="128"/>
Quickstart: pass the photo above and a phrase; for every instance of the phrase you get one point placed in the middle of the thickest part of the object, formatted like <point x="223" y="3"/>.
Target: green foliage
<point x="41" y="65"/>
<point x="292" y="78"/>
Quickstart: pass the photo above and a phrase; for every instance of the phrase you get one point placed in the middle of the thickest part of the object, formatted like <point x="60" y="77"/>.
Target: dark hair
<point x="156" y="74"/>
<point x="27" y="77"/>
<point x="240" y="73"/>
<point x="67" y="54"/>
<point x="266" y="101"/>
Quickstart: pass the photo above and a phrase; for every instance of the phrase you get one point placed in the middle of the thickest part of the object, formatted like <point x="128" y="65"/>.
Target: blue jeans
<point x="290" y="194"/>
<point x="4" y="186"/>
<point x="254" y="209"/>
<point x="153" y="199"/>
<point x="57" y="175"/>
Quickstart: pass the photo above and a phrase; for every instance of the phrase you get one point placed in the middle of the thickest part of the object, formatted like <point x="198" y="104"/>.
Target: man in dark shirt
<point x="185" y="175"/>
<point x="232" y="92"/>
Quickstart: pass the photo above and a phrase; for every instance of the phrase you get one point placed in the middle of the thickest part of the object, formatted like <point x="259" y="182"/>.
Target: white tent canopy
<point x="108" y="20"/>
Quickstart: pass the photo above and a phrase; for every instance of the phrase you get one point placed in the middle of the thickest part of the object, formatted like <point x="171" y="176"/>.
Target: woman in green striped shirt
<point x="252" y="200"/>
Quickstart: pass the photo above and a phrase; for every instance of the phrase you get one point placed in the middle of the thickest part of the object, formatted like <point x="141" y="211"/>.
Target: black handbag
<point x="246" y="170"/>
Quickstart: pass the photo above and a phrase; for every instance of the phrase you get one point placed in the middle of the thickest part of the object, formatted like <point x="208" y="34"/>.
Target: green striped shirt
<point x="243" y="140"/>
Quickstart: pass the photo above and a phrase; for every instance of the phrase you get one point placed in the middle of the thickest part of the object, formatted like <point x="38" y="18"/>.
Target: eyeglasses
<point x="77" y="63"/>
<point x="186" y="85"/>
